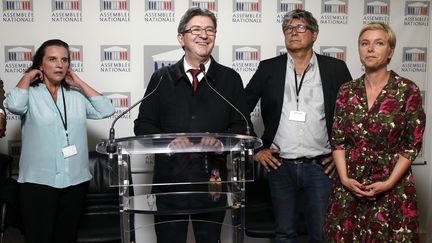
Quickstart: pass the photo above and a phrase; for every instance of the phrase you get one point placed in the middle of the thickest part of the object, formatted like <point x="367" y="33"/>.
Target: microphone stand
<point x="111" y="147"/>
<point x="247" y="152"/>
<point x="202" y="68"/>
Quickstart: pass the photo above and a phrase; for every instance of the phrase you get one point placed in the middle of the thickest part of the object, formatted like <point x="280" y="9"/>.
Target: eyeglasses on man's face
<point x="196" y="30"/>
<point x="300" y="28"/>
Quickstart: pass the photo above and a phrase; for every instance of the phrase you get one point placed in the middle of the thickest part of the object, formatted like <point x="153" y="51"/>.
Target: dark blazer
<point x="268" y="84"/>
<point x="2" y="95"/>
<point x="2" y="98"/>
<point x="174" y="107"/>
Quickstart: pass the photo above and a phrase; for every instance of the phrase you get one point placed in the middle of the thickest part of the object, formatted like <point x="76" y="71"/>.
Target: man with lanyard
<point x="298" y="92"/>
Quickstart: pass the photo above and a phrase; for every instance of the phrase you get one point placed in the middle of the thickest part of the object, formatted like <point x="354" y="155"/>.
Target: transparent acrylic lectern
<point x="181" y="176"/>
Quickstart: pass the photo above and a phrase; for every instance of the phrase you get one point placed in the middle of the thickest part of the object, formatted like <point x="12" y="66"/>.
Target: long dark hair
<point x="40" y="53"/>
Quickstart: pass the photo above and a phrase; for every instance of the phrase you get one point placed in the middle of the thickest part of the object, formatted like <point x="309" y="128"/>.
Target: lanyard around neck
<point x="64" y="121"/>
<point x="298" y="87"/>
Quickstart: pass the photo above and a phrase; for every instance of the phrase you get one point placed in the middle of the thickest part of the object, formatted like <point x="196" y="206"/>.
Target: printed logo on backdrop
<point x="284" y="6"/>
<point x="115" y="58"/>
<point x="120" y="101"/>
<point x="246" y="58"/>
<point x="156" y="57"/>
<point x="334" y="12"/>
<point x="12" y="117"/>
<point x="159" y="11"/>
<point x="211" y="5"/>
<point x="76" y="55"/>
<point x="376" y="11"/>
<point x="246" y="11"/>
<point x="281" y="50"/>
<point x="338" y="52"/>
<point x="256" y="113"/>
<point x="114" y="11"/>
<point x="18" y="11"/>
<point x="414" y="59"/>
<point x="18" y="58"/>
<point x="66" y="11"/>
<point x="416" y="13"/>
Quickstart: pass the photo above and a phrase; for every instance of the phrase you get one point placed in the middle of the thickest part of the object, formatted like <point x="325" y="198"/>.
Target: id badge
<point x="69" y="151"/>
<point x="299" y="116"/>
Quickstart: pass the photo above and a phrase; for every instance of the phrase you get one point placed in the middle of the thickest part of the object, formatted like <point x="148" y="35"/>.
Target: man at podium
<point x="196" y="94"/>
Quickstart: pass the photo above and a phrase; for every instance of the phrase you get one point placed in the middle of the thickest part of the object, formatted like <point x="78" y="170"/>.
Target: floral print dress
<point x="373" y="140"/>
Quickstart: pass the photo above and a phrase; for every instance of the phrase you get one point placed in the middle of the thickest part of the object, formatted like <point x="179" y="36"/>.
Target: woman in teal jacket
<point x="54" y="103"/>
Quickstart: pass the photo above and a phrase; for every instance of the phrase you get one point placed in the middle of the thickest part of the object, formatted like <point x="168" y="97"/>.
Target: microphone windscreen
<point x="202" y="68"/>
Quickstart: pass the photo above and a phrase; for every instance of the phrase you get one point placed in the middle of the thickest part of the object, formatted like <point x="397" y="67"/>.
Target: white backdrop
<point x="116" y="45"/>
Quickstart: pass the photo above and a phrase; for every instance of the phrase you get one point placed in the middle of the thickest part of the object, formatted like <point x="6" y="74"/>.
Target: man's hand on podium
<point x="184" y="142"/>
<point x="180" y="142"/>
<point x="210" y="142"/>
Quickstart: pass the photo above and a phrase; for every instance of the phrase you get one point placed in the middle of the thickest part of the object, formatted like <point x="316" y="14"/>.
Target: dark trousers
<point x="174" y="228"/>
<point x="51" y="215"/>
<point x="299" y="187"/>
<point x="189" y="167"/>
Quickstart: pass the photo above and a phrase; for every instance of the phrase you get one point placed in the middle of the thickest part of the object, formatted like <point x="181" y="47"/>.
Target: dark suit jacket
<point x="174" y="107"/>
<point x="2" y="95"/>
<point x="2" y="98"/>
<point x="268" y="84"/>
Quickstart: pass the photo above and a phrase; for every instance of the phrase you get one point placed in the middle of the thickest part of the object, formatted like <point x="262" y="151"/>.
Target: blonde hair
<point x="380" y="26"/>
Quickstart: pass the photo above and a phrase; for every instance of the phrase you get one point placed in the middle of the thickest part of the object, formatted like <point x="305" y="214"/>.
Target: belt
<point x="304" y="160"/>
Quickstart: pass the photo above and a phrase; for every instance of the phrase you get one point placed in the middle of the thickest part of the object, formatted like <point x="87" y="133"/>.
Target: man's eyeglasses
<point x="198" y="30"/>
<point x="300" y="28"/>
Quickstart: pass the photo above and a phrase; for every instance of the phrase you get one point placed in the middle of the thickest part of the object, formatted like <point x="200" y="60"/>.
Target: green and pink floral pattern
<point x="373" y="140"/>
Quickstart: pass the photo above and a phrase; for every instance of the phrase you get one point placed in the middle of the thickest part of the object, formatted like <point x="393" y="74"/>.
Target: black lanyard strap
<point x="64" y="121"/>
<point x="298" y="87"/>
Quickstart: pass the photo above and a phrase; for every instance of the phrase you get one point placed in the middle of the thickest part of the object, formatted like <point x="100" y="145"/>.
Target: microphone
<point x="112" y="146"/>
<point x="202" y="68"/>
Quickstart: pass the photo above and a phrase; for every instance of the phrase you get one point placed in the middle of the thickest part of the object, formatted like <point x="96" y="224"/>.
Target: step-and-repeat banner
<point x="117" y="44"/>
